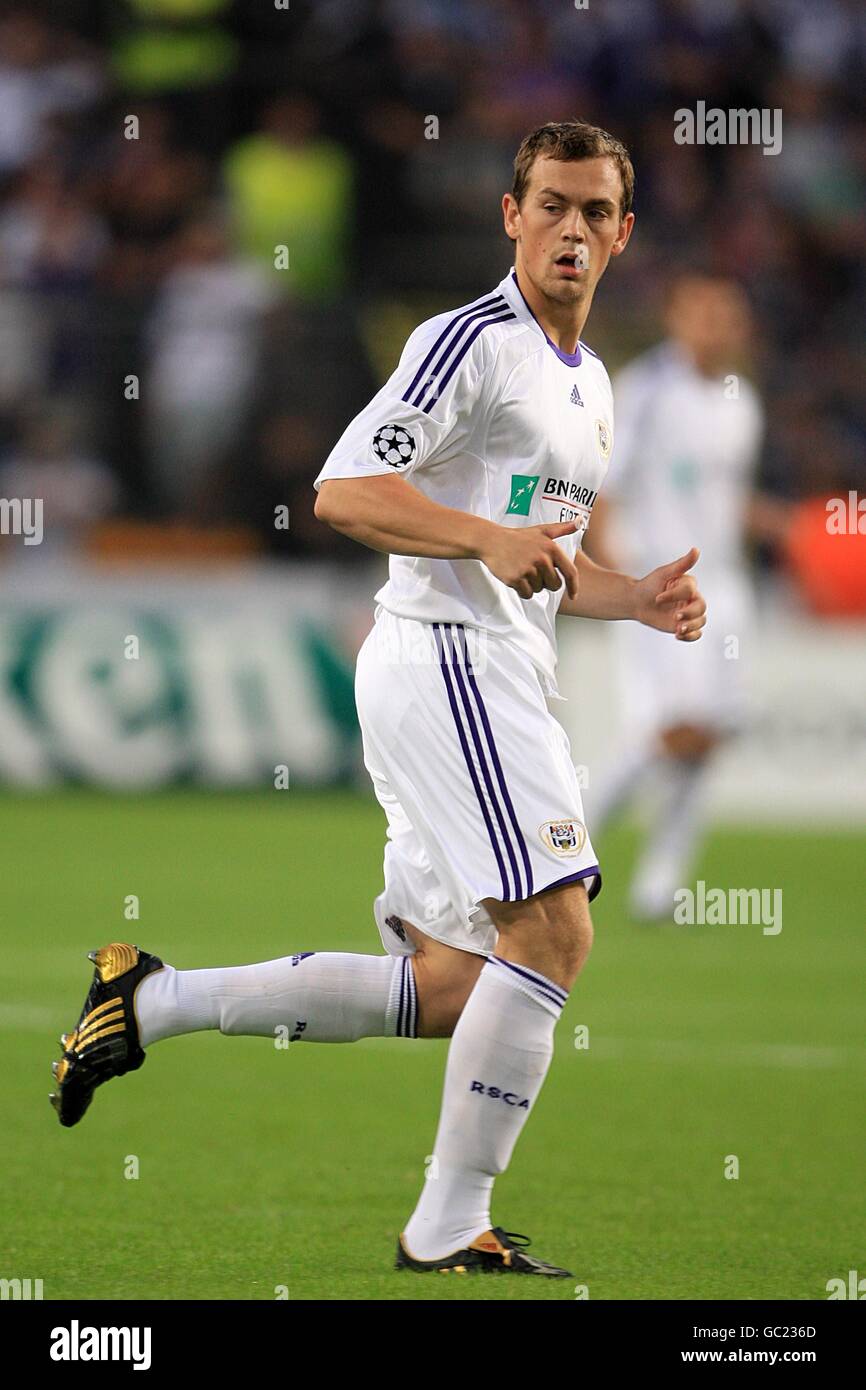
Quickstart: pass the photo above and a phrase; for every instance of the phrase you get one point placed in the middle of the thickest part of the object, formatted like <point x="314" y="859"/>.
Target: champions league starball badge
<point x="394" y="445"/>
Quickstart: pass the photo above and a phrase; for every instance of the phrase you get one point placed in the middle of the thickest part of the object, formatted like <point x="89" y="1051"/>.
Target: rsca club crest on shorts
<point x="394" y="444"/>
<point x="563" y="836"/>
<point x="604" y="437"/>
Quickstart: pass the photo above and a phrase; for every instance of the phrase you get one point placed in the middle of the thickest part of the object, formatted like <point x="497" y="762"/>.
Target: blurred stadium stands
<point x="260" y="126"/>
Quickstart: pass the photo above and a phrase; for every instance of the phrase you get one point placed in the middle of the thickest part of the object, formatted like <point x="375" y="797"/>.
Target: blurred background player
<point x="689" y="432"/>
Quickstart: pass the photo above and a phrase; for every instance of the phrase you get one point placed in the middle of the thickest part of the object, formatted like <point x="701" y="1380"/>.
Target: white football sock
<point x="497" y="1062"/>
<point x="665" y="863"/>
<point x="320" y="996"/>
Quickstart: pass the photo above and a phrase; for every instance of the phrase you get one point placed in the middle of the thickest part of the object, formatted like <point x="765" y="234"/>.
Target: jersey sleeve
<point x="424" y="413"/>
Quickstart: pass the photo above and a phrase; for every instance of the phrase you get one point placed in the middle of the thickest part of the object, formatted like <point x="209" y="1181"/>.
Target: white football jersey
<point x="682" y="470"/>
<point x="485" y="415"/>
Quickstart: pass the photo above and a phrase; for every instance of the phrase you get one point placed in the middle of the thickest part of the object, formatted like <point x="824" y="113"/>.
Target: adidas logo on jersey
<point x="575" y="396"/>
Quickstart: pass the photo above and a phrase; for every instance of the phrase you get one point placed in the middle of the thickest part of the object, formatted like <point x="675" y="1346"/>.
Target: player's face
<point x="568" y="226"/>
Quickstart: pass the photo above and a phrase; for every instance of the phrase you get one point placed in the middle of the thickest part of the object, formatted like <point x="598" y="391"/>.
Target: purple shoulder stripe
<point x="431" y="378"/>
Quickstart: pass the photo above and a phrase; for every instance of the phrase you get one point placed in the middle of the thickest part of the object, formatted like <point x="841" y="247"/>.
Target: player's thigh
<point x="444" y="979"/>
<point x="550" y="932"/>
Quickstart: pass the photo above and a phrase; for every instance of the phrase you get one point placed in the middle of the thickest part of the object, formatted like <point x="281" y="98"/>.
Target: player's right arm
<point x="388" y="514"/>
<point x="432" y="411"/>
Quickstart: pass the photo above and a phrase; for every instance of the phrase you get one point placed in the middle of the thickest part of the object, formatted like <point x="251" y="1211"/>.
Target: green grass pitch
<point x="261" y="1168"/>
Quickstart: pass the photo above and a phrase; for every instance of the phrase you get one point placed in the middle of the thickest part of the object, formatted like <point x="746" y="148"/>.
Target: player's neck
<point x="563" y="323"/>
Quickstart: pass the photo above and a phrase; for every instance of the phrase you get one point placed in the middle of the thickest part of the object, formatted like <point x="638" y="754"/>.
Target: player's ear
<point x="623" y="234"/>
<point x="511" y="216"/>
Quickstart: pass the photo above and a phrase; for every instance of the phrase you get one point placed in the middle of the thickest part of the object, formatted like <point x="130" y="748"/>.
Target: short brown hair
<point x="568" y="140"/>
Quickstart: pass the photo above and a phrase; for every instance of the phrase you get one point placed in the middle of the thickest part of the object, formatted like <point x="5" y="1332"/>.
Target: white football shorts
<point x="474" y="775"/>
<point x="664" y="682"/>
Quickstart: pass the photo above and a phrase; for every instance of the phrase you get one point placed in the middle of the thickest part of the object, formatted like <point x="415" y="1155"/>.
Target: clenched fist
<point x="528" y="559"/>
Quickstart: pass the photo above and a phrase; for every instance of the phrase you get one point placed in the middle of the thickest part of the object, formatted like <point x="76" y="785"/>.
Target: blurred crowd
<point x="219" y="219"/>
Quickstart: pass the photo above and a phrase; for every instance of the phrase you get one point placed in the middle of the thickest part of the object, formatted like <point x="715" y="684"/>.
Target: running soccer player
<point x="475" y="468"/>
<point x="689" y="428"/>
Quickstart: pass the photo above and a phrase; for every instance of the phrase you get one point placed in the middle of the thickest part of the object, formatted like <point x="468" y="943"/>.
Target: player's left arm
<point x="667" y="598"/>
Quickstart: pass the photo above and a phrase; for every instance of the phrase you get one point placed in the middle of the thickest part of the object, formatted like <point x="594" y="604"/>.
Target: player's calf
<point x="497" y="1062"/>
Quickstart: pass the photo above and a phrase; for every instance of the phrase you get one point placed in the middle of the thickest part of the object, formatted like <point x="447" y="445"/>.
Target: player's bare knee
<point x="551" y="932"/>
<point x="571" y="946"/>
<point x="444" y="982"/>
<point x="582" y="945"/>
<point x="438" y="1007"/>
<point x="441" y="1017"/>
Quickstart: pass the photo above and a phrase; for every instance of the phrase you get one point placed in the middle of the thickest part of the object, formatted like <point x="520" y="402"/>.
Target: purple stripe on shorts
<point x="488" y="780"/>
<point x="506" y="892"/>
<point x="497" y="764"/>
<point x="573" y="878"/>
